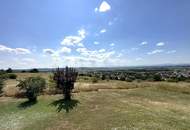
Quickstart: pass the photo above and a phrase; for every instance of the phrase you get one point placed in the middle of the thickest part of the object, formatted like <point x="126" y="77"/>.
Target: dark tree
<point x="9" y="70"/>
<point x="157" y="77"/>
<point x="65" y="79"/>
<point x="34" y="70"/>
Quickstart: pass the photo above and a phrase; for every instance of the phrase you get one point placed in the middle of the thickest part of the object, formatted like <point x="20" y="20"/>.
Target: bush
<point x="12" y="76"/>
<point x="4" y="76"/>
<point x="32" y="87"/>
<point x="1" y="85"/>
<point x="34" y="71"/>
<point x="94" y="80"/>
<point x="9" y="70"/>
<point x="157" y="77"/>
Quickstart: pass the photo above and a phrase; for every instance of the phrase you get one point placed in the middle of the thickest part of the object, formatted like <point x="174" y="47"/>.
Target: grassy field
<point x="112" y="105"/>
<point x="140" y="108"/>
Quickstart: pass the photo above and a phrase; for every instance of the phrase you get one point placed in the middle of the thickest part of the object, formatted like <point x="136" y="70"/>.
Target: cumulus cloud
<point x="65" y="50"/>
<point x="104" y="7"/>
<point x="103" y="31"/>
<point x="48" y="51"/>
<point x="172" y="51"/>
<point x="119" y="55"/>
<point x="155" y="52"/>
<point x="112" y="44"/>
<point x="160" y="44"/>
<point x="74" y="40"/>
<point x="14" y="50"/>
<point x="102" y="50"/>
<point x="96" y="43"/>
<point x="98" y="55"/>
<point x="144" y="43"/>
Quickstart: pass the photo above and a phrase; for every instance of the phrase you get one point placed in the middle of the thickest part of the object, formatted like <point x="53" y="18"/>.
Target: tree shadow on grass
<point x="66" y="105"/>
<point x="27" y="104"/>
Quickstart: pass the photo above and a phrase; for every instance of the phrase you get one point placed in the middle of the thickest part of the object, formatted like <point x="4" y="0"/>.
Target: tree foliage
<point x="32" y="87"/>
<point x="65" y="79"/>
<point x="1" y="85"/>
<point x="34" y="70"/>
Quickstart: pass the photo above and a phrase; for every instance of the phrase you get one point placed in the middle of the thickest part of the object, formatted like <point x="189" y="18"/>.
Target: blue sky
<point x="51" y="33"/>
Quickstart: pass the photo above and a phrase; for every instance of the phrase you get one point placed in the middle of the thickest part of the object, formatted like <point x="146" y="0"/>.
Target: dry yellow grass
<point x="11" y="90"/>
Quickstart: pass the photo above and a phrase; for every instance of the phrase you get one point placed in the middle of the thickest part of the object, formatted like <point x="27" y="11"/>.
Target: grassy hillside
<point x="140" y="108"/>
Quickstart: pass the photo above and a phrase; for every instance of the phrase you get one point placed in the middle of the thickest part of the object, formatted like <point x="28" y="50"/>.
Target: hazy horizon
<point x="83" y="33"/>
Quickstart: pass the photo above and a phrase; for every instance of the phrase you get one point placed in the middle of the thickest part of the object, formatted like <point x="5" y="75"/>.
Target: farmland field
<point x="107" y="105"/>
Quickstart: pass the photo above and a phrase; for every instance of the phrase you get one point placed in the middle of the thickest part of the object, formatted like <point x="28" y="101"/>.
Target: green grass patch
<point x="140" y="108"/>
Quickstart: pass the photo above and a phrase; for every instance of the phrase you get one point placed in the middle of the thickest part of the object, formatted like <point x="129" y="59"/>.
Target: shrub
<point x="94" y="80"/>
<point x="9" y="70"/>
<point x="32" y="87"/>
<point x="157" y="77"/>
<point x="34" y="71"/>
<point x="12" y="76"/>
<point x="1" y="85"/>
<point x="4" y="76"/>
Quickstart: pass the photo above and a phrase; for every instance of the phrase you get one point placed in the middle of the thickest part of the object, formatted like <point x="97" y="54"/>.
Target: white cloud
<point x="14" y="50"/>
<point x="96" y="43"/>
<point x="104" y="7"/>
<point x="74" y="40"/>
<point x="144" y="43"/>
<point x="98" y="55"/>
<point x="134" y="48"/>
<point x="65" y="50"/>
<point x="103" y="31"/>
<point x="102" y="50"/>
<point x="22" y="51"/>
<point x="172" y="51"/>
<point x="48" y="51"/>
<point x="81" y="45"/>
<point x="82" y="33"/>
<point x="112" y="44"/>
<point x="160" y="44"/>
<point x="155" y="52"/>
<point x="119" y="55"/>
<point x="96" y="10"/>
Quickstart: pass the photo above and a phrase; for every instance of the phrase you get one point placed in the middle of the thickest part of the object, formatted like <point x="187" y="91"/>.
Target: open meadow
<point x="105" y="105"/>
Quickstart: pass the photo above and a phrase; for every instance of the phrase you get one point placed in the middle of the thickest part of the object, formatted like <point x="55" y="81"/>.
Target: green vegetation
<point x="64" y="79"/>
<point x="9" y="70"/>
<point x="32" y="86"/>
<point x="34" y="70"/>
<point x="12" y="76"/>
<point x="140" y="108"/>
<point x="103" y="105"/>
<point x="1" y="85"/>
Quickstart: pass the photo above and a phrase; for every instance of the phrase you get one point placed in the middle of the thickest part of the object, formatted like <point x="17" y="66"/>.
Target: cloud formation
<point x="104" y="7"/>
<point x="172" y="51"/>
<point x="144" y="43"/>
<point x="75" y="40"/>
<point x="112" y="44"/>
<point x="14" y="50"/>
<point x="103" y="31"/>
<point x="96" y="43"/>
<point x="65" y="50"/>
<point x="160" y="44"/>
<point x="155" y="52"/>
